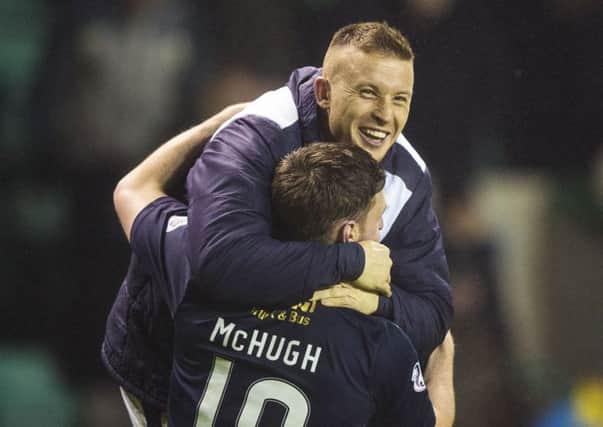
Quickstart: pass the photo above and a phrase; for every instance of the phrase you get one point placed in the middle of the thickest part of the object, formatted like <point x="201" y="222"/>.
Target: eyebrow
<point x="369" y="83"/>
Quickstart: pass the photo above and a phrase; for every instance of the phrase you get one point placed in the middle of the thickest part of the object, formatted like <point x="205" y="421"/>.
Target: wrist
<point x="373" y="304"/>
<point x="351" y="261"/>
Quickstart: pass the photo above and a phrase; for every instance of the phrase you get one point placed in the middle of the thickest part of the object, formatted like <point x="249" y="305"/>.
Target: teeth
<point x="373" y="133"/>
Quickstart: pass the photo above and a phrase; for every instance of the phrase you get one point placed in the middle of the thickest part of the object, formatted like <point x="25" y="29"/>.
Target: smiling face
<point x="366" y="97"/>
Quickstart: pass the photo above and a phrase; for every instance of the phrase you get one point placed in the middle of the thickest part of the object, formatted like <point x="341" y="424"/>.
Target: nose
<point x="383" y="111"/>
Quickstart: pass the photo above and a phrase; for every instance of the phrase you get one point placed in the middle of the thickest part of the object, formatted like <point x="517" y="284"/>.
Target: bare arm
<point x="439" y="380"/>
<point x="151" y="178"/>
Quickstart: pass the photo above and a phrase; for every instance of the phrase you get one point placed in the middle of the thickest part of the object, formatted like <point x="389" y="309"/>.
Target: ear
<point x="350" y="232"/>
<point x="322" y="92"/>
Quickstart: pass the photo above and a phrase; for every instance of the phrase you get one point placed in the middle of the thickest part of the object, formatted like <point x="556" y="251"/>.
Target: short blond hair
<point x="373" y="37"/>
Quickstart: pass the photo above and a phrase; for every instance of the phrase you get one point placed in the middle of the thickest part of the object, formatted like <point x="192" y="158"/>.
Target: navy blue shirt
<point x="230" y="246"/>
<point x="231" y="250"/>
<point x="137" y="346"/>
<point x="306" y="364"/>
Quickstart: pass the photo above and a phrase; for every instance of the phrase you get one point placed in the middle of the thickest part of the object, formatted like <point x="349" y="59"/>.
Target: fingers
<point x="385" y="289"/>
<point x="318" y="295"/>
<point x="375" y="248"/>
<point x="363" y="302"/>
<point x="343" y="302"/>
<point x="335" y="291"/>
<point x="377" y="268"/>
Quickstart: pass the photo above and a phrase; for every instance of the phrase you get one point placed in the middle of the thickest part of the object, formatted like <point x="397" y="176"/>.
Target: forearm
<point x="151" y="178"/>
<point x="230" y="243"/>
<point x="439" y="380"/>
<point x="257" y="270"/>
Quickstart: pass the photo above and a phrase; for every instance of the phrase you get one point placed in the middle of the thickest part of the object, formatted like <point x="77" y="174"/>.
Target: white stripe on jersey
<point x="396" y="196"/>
<point x="175" y="222"/>
<point x="404" y="143"/>
<point x="276" y="105"/>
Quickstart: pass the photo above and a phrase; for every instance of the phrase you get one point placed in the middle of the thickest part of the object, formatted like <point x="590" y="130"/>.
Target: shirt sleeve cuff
<point x="351" y="261"/>
<point x="385" y="308"/>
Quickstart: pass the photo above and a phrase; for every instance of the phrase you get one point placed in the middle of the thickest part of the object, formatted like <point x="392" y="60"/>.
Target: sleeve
<point x="230" y="246"/>
<point x="421" y="302"/>
<point x="401" y="397"/>
<point x="157" y="240"/>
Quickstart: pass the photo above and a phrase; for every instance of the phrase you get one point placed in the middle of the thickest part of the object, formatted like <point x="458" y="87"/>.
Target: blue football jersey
<point x="304" y="365"/>
<point x="230" y="240"/>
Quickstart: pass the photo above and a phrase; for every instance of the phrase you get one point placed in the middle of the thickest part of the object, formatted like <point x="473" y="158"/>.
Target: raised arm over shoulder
<point x="150" y="179"/>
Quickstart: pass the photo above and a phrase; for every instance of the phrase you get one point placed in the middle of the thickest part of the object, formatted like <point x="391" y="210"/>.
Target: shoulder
<point x="395" y="338"/>
<point x="162" y="218"/>
<point x="163" y="214"/>
<point x="404" y="163"/>
<point x="158" y="235"/>
<point x="268" y="123"/>
<point x="407" y="181"/>
<point x="276" y="107"/>
<point x="396" y="353"/>
<point x="348" y="324"/>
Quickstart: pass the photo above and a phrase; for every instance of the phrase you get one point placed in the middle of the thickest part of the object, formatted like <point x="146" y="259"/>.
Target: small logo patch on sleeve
<point x="418" y="383"/>
<point x="176" y="222"/>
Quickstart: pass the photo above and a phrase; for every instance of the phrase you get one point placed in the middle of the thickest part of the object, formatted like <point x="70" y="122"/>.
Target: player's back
<point x="305" y="365"/>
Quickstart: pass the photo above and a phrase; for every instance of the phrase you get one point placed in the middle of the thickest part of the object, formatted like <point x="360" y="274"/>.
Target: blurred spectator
<point x="236" y="83"/>
<point x="23" y="32"/>
<point x="579" y="196"/>
<point x="32" y="392"/>
<point x="557" y="84"/>
<point x="483" y="369"/>
<point x="258" y="34"/>
<point x="582" y="408"/>
<point x="120" y="78"/>
<point x="32" y="211"/>
<point x="127" y="85"/>
<point x="463" y="79"/>
<point x="256" y="47"/>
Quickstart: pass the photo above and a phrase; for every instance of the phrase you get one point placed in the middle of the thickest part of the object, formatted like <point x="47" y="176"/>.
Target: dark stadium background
<point x="507" y="113"/>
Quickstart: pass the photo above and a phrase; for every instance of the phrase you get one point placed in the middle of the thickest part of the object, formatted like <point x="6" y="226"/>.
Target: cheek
<point x="375" y="231"/>
<point x="362" y="108"/>
<point x="353" y="107"/>
<point x="402" y="118"/>
<point x="342" y="123"/>
<point x="376" y="235"/>
<point x="338" y="115"/>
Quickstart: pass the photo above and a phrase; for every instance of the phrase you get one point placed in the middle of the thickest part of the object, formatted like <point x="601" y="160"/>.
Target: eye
<point x="368" y="93"/>
<point x="401" y="99"/>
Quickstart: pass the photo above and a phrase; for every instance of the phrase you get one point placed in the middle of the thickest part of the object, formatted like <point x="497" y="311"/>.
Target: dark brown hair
<point x="321" y="183"/>
<point x="374" y="37"/>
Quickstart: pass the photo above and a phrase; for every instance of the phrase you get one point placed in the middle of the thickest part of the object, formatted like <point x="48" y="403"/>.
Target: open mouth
<point x="372" y="136"/>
